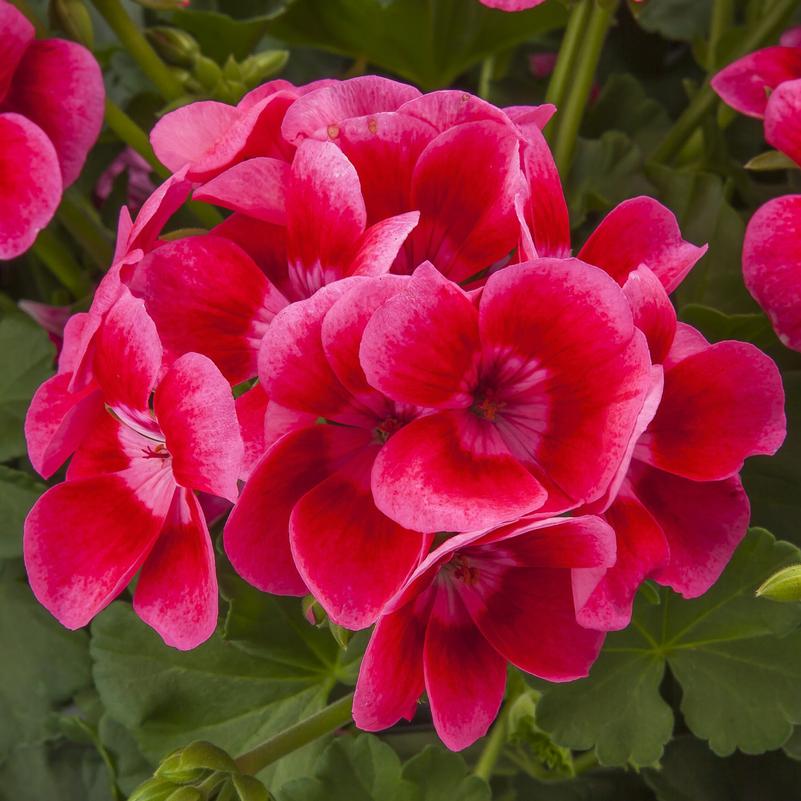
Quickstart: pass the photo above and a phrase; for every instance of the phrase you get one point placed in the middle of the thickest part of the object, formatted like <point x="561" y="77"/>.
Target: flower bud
<point x="341" y="635"/>
<point x="163" y="5"/>
<point x="313" y="612"/>
<point x="73" y="18"/>
<point x="174" y="45"/>
<point x="207" y="72"/>
<point x="248" y="788"/>
<point x="155" y="789"/>
<point x="173" y="769"/>
<point x="783" y="586"/>
<point x="190" y="763"/>
<point x="261" y="66"/>
<point x="186" y="794"/>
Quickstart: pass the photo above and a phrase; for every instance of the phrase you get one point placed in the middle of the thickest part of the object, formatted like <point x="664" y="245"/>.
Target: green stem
<point x="85" y="227"/>
<point x="568" y="52"/>
<point x="720" y="22"/>
<point x="131" y="38"/>
<point x="578" y="92"/>
<point x="289" y="740"/>
<point x="705" y="98"/>
<point x="493" y="746"/>
<point x="55" y="254"/>
<point x="133" y="136"/>
<point x="485" y="78"/>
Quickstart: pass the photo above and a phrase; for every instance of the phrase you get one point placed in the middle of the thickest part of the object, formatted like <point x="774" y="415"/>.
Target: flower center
<point x="386" y="428"/>
<point x="487" y="408"/>
<point x="461" y="569"/>
<point x="157" y="451"/>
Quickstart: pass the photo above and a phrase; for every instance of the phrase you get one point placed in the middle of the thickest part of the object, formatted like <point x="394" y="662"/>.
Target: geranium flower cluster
<point x="767" y="85"/>
<point x="445" y="424"/>
<point x="51" y="112"/>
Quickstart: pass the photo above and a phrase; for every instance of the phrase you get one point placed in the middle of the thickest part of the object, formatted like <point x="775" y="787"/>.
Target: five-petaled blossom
<point x="51" y="112"/>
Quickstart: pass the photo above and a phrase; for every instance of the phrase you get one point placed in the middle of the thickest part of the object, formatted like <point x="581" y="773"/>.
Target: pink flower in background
<point x="51" y="112"/>
<point x="511" y="5"/>
<point x="476" y="602"/>
<point x="139" y="184"/>
<point x="128" y="501"/>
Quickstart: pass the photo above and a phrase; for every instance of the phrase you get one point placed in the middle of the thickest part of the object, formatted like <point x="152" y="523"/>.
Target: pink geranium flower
<point x="476" y="602"/>
<point x="128" y="503"/>
<point x="51" y="112"/>
<point x="306" y="518"/>
<point x="678" y="508"/>
<point x="511" y="5"/>
<point x="534" y="390"/>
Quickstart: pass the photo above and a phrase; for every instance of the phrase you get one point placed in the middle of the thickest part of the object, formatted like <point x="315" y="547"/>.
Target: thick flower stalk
<point x="445" y="425"/>
<point x="51" y="112"/>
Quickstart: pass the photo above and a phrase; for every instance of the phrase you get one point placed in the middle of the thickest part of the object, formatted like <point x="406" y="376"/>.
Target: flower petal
<point x="641" y="231"/>
<point x="465" y="676"/>
<point x="177" y="589"/>
<point x="352" y="558"/>
<point x="718" y="407"/>
<point x="195" y="409"/>
<point x="251" y="411"/>
<point x="16" y="33"/>
<point x="85" y="540"/>
<point x="257" y="532"/>
<point x="31" y="184"/>
<point x="653" y="312"/>
<point x="783" y="119"/>
<point x="58" y="86"/>
<point x="772" y="265"/>
<point x="450" y="471"/>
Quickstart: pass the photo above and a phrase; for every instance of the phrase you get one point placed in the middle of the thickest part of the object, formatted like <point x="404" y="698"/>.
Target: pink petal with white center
<point x="604" y="597"/>
<point x="319" y="113"/>
<point x="31" y="182"/>
<point x="257" y="532"/>
<point x="641" y="231"/>
<point x="185" y="135"/>
<point x="293" y="366"/>
<point x="352" y="558"/>
<point x="84" y="540"/>
<point x="545" y="209"/>
<point x="464" y="185"/>
<point x="16" y="34"/>
<point x="195" y="409"/>
<point x="783" y="119"/>
<point x="450" y="471"/>
<point x="57" y="421"/>
<point x="176" y="593"/>
<point x="127" y="356"/>
<point x="206" y="295"/>
<point x="772" y="265"/>
<point x="567" y="371"/>
<point x="422" y="346"/>
<point x="384" y="149"/>
<point x="718" y="407"/>
<point x="325" y="216"/>
<point x="653" y="312"/>
<point x="251" y="411"/>
<point x="58" y="85"/>
<point x="379" y="245"/>
<point x="703" y="522"/>
<point x="256" y="187"/>
<point x="745" y="84"/>
<point x="343" y="329"/>
<point x="465" y="676"/>
<point x="391" y="674"/>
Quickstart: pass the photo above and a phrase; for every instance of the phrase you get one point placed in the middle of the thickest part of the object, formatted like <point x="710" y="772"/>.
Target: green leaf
<point x="691" y="772"/>
<point x="26" y="359"/>
<point x="600" y="785"/>
<point x="218" y="692"/>
<point x="429" y="42"/>
<point x="18" y="492"/>
<point x="771" y="160"/>
<point x="439" y="774"/>
<point x="736" y="658"/>
<point x="716" y="325"/>
<point x="676" y="19"/>
<point x="43" y="666"/>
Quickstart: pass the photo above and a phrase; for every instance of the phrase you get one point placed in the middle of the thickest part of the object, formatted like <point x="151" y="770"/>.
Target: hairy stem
<point x="705" y="98"/>
<point x="289" y="740"/>
<point x="134" y="42"/>
<point x="582" y="77"/>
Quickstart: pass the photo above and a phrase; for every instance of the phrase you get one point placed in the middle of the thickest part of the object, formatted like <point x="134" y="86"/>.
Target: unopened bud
<point x="186" y="794"/>
<point x="783" y="586"/>
<point x="173" y="769"/>
<point x="257" y="68"/>
<point x="74" y="19"/>
<point x="313" y="612"/>
<point x="173" y="45"/>
<point x="163" y="5"/>
<point x="770" y="160"/>
<point x="342" y="635"/>
<point x="155" y="789"/>
<point x="207" y="755"/>
<point x="249" y="788"/>
<point x="207" y="72"/>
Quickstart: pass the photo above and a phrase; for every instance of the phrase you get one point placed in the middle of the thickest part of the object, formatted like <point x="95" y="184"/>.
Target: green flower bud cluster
<point x="200" y="772"/>
<point x="201" y="75"/>
<point x="72" y="17"/>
